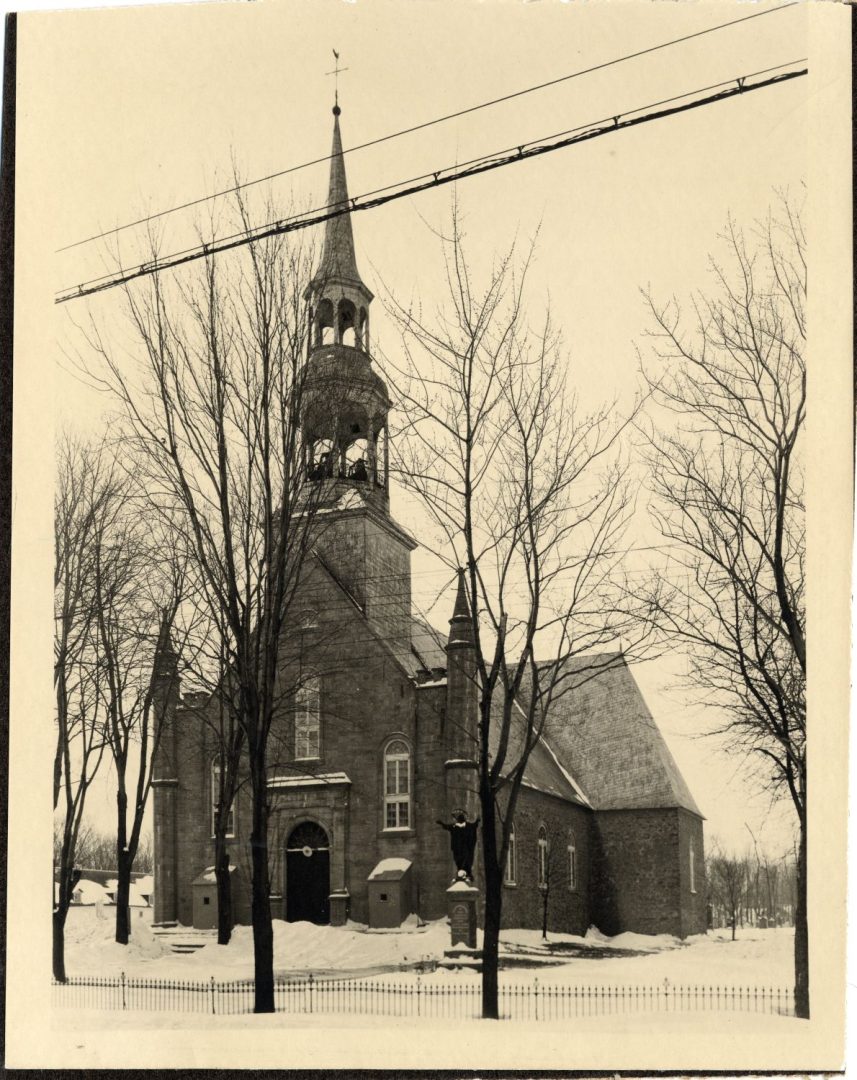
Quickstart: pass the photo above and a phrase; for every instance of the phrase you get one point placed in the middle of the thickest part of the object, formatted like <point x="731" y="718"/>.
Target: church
<point x="376" y="747"/>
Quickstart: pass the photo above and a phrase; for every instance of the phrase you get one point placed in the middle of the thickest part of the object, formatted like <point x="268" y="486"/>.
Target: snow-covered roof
<point x="390" y="869"/>
<point x="307" y="780"/>
<point x="208" y="877"/>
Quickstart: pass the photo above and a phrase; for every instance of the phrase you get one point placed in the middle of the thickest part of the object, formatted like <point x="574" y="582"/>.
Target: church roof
<point x="603" y="733"/>
<point x="427" y="645"/>
<point x="543" y="770"/>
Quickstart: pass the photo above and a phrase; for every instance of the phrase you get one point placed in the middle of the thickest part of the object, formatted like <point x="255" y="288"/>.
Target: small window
<point x="206" y="899"/>
<point x="572" y="862"/>
<point x="692" y="868"/>
<point x="307" y="721"/>
<point x="383" y="898"/>
<point x="510" y="875"/>
<point x="543" y="857"/>
<point x="397" y="785"/>
<point x="215" y="801"/>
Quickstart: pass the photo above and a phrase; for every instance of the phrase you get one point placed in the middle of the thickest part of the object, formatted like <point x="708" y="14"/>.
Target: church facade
<point x="377" y="743"/>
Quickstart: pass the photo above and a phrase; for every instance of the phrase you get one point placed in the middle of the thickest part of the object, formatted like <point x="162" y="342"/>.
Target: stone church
<point x="377" y="743"/>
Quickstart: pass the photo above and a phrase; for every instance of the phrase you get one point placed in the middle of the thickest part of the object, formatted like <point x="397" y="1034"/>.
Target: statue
<point x="462" y="835"/>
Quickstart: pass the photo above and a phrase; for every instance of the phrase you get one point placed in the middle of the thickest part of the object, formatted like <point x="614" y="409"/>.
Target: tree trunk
<point x="493" y="912"/>
<point x="733" y="925"/>
<point x="224" y="889"/>
<point x="544" y="914"/>
<point x="59" y="943"/>
<point x="801" y="931"/>
<point x="123" y="897"/>
<point x="263" y="930"/>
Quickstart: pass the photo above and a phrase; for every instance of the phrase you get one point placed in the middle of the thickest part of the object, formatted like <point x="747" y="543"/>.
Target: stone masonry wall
<point x="568" y="909"/>
<point x="637" y="872"/>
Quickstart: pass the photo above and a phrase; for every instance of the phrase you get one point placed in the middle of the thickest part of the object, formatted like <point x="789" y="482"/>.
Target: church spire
<point x="338" y="263"/>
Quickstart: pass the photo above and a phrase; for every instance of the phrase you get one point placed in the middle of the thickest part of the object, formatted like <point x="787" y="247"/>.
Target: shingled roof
<point x="544" y="770"/>
<point x="605" y="735"/>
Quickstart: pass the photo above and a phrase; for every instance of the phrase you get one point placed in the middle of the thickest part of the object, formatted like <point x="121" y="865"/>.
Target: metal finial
<point x="336" y="70"/>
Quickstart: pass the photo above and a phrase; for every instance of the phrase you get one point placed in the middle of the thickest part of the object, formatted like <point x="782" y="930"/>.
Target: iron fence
<point x="416" y="997"/>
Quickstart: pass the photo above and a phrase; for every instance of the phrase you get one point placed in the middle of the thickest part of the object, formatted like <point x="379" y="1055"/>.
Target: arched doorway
<point x="308" y="874"/>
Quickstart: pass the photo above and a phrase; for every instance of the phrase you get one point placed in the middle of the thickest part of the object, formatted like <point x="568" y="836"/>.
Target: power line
<point x="487" y="162"/>
<point x="430" y="123"/>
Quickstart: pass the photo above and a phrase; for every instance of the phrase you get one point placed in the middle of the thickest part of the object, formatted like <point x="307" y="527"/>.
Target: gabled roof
<point x="605" y="735"/>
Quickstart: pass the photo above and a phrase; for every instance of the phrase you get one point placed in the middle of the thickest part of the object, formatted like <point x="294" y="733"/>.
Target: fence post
<point x="122" y="984"/>
<point x="418" y="995"/>
<point x="536" y="995"/>
<point x="212" y="995"/>
<point x="310" y="992"/>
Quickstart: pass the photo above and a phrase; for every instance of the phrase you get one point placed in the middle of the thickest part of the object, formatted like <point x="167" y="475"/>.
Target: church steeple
<point x="345" y="401"/>
<point x="339" y="299"/>
<point x="338" y="262"/>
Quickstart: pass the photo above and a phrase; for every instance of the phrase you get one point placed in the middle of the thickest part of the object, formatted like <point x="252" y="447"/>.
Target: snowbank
<point x="91" y="949"/>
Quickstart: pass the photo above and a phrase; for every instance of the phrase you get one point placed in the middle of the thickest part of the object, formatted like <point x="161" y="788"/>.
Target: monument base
<point x="461" y="900"/>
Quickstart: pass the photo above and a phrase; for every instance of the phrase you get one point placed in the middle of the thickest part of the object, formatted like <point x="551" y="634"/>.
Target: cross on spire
<point x="335" y="73"/>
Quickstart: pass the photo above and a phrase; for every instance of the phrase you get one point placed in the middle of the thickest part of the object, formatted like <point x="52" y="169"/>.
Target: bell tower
<point x="344" y="413"/>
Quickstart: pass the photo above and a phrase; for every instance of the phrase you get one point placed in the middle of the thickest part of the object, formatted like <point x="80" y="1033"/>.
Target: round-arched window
<point x="397" y="785"/>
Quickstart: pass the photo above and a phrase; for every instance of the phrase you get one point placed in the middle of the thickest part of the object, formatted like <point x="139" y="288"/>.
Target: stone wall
<point x="641" y="872"/>
<point x="523" y="902"/>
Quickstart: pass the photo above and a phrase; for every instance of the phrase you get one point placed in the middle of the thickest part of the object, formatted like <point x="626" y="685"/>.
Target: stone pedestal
<point x="339" y="908"/>
<point x="461" y="900"/>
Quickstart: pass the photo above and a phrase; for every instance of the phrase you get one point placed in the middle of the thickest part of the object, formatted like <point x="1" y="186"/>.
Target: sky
<point x="140" y="110"/>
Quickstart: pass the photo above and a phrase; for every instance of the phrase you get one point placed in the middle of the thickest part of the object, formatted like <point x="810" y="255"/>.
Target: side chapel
<point x="380" y="738"/>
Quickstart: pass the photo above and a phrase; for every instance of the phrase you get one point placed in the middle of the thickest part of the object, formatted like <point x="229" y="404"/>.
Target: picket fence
<point x="415" y="997"/>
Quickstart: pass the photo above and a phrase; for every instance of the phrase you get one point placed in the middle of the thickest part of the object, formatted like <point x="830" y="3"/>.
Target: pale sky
<point x="142" y="109"/>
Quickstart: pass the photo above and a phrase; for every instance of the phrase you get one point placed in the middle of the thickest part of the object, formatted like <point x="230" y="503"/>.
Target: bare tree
<point x="727" y="481"/>
<point x="213" y="412"/>
<point x="728" y="884"/>
<point x="138" y="587"/>
<point x="530" y="500"/>
<point x="85" y="493"/>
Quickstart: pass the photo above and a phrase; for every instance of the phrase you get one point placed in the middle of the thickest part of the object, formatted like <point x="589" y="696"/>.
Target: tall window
<point x="543" y="857"/>
<point x="572" y="861"/>
<point x="510" y="875"/>
<point x="307" y="721"/>
<point x="692" y="868"/>
<point x="397" y="785"/>
<point x="215" y="800"/>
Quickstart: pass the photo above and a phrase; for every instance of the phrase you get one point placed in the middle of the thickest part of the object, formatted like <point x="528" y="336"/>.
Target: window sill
<point x="307" y="760"/>
<point x="399" y="831"/>
<point x="510" y="884"/>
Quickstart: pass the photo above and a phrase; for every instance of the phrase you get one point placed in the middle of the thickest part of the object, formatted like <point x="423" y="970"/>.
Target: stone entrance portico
<point x="323" y="800"/>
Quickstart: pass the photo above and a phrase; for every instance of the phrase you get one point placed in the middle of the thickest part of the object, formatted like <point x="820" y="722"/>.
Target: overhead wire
<point x="430" y="123"/>
<point x="476" y="166"/>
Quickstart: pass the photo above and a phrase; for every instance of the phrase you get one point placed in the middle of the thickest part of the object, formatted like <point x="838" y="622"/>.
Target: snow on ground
<point x="757" y="958"/>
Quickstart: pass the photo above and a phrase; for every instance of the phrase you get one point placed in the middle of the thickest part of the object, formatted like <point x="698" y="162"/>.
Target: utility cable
<point x="380" y="196"/>
<point x="430" y="123"/>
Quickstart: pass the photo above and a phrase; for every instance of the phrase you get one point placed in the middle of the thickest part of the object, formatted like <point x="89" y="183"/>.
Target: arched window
<point x="397" y="785"/>
<point x="543" y="857"/>
<point x="215" y="800"/>
<point x="572" y="861"/>
<point x="307" y="720"/>
<point x="510" y="875"/>
<point x="692" y="868"/>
